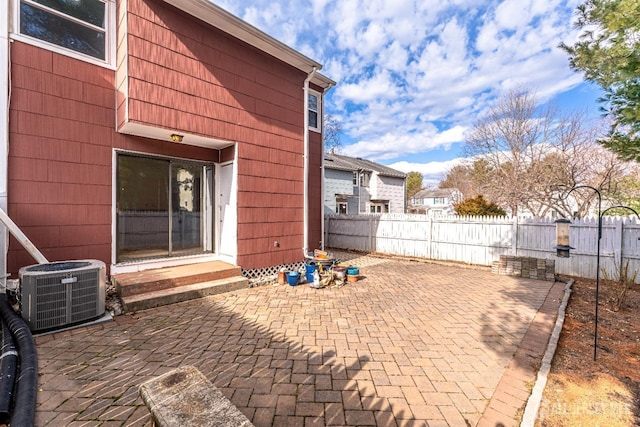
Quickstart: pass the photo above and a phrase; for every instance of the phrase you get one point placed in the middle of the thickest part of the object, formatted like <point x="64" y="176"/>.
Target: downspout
<point x="404" y="195"/>
<point x="4" y="130"/>
<point x="305" y="230"/>
<point x="327" y="89"/>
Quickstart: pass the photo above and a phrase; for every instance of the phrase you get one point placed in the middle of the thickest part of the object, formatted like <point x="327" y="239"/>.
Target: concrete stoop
<point x="154" y="288"/>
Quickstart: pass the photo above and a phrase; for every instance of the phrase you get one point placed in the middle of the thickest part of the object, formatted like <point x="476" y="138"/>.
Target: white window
<point x="315" y="119"/>
<point x="379" y="208"/>
<point x="84" y="29"/>
<point x="365" y="177"/>
<point x="341" y="208"/>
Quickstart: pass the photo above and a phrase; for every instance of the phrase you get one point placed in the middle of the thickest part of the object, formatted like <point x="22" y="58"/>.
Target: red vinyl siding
<point x="62" y="135"/>
<point x="316" y="208"/>
<point x="61" y="121"/>
<point x="188" y="76"/>
<point x="183" y="75"/>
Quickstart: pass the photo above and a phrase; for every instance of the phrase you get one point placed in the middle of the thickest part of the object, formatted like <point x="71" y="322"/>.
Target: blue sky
<point x="414" y="75"/>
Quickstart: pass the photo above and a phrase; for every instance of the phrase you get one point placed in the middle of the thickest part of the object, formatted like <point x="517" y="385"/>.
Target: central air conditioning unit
<point x="58" y="294"/>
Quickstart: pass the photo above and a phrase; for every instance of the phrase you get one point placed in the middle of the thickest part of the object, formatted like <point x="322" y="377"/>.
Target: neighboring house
<point x="148" y="133"/>
<point x="356" y="186"/>
<point x="436" y="202"/>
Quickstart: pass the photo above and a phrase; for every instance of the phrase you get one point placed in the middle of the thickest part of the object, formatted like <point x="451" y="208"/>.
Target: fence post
<point x="430" y="238"/>
<point x="617" y="246"/>
<point x="369" y="249"/>
<point x="325" y="238"/>
<point x="514" y="237"/>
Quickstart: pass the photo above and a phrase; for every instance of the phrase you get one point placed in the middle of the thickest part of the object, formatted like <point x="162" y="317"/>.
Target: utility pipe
<point x="305" y="231"/>
<point x="8" y="369"/>
<point x="24" y="409"/>
<point x="20" y="237"/>
<point x="5" y="101"/>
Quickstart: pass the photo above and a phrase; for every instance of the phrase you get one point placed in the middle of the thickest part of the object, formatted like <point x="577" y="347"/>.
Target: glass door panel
<point x="142" y="208"/>
<point x="186" y="208"/>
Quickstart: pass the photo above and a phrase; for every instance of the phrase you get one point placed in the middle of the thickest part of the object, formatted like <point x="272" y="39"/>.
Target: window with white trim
<point x="379" y="208"/>
<point x="315" y="119"/>
<point x="341" y="208"/>
<point x="365" y="177"/>
<point x="84" y="29"/>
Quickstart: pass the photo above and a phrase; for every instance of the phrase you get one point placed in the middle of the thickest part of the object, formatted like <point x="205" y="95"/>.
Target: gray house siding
<point x="378" y="187"/>
<point x="336" y="182"/>
<point x="365" y="196"/>
<point x="352" y="206"/>
<point x="392" y="189"/>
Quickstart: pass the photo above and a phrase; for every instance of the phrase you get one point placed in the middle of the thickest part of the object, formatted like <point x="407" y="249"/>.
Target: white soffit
<point x="147" y="131"/>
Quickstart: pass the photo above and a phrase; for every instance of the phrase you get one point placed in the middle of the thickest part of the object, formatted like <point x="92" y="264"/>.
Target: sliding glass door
<point x="161" y="208"/>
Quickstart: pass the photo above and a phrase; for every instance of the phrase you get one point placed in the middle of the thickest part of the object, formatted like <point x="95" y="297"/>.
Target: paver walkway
<point x="411" y="344"/>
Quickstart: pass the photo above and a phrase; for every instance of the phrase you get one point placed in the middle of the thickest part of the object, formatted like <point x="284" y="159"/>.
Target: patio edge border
<point x="514" y="388"/>
<point x="533" y="404"/>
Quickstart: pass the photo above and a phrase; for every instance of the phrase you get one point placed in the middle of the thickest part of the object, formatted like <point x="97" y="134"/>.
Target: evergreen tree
<point x="608" y="52"/>
<point x="478" y="206"/>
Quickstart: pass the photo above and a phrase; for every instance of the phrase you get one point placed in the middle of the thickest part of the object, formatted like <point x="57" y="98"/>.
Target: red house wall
<point x="316" y="208"/>
<point x="186" y="76"/>
<point x="61" y="136"/>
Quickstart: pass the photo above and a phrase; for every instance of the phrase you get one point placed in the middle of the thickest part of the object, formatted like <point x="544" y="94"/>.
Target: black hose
<point x="8" y="368"/>
<point x="24" y="408"/>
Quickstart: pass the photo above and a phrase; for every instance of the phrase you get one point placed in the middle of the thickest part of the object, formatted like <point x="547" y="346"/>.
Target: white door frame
<point x="226" y="211"/>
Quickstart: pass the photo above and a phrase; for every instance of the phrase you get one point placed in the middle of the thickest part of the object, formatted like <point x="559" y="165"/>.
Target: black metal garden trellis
<point x="564" y="250"/>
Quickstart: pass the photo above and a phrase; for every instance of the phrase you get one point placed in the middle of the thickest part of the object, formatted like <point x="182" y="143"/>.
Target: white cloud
<point x="395" y="144"/>
<point x="379" y="86"/>
<point x="432" y="172"/>
<point x="413" y="75"/>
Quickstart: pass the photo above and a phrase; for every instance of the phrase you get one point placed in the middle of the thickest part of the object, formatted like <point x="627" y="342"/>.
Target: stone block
<point x="185" y="397"/>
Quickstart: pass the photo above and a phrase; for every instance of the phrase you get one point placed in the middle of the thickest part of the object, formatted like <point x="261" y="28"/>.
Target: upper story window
<point x="80" y="28"/>
<point x="314" y="111"/>
<point x="365" y="177"/>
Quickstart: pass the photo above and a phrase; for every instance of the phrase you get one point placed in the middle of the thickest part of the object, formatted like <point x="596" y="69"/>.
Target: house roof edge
<point x="214" y="15"/>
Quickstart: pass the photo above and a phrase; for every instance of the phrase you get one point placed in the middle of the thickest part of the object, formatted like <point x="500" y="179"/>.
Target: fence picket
<point x="481" y="240"/>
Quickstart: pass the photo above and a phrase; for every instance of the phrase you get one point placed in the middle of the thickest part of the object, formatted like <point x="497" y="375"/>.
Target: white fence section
<point x="481" y="240"/>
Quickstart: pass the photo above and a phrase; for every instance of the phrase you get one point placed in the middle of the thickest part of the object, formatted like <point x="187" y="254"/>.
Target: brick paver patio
<point x="411" y="344"/>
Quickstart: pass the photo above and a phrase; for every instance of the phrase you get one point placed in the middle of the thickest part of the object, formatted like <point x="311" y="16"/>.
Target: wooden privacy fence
<point x="481" y="240"/>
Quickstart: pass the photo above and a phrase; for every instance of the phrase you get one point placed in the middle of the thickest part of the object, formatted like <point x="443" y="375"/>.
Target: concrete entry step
<point x="182" y="293"/>
<point x="154" y="288"/>
<point x="170" y="277"/>
<point x="184" y="397"/>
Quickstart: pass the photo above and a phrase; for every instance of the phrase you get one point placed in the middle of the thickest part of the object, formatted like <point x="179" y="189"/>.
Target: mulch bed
<point x="604" y="392"/>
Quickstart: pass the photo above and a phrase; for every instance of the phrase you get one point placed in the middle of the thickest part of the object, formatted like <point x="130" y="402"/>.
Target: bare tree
<point x="510" y="138"/>
<point x="469" y="178"/>
<point x="532" y="152"/>
<point x="331" y="133"/>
